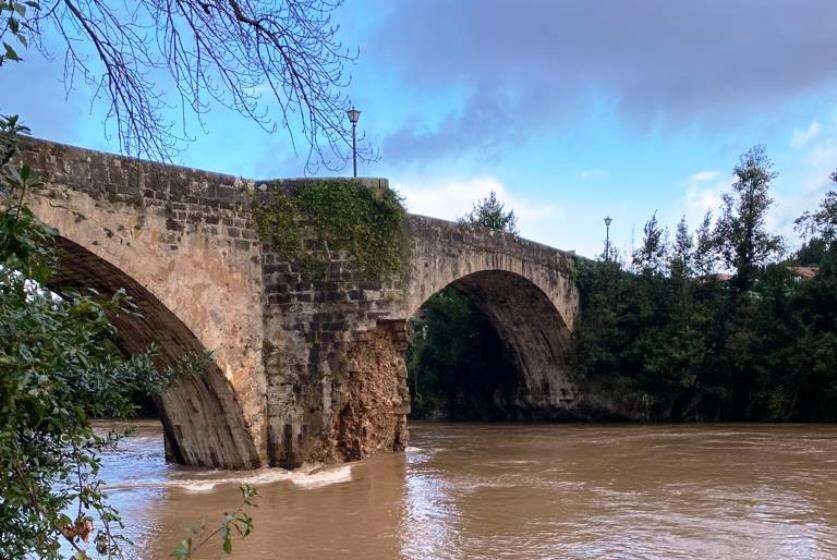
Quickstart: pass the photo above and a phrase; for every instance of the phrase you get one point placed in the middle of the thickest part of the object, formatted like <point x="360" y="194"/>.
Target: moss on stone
<point x="336" y="215"/>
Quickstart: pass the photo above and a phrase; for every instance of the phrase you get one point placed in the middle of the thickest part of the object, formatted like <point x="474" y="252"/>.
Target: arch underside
<point x="534" y="335"/>
<point x="203" y="422"/>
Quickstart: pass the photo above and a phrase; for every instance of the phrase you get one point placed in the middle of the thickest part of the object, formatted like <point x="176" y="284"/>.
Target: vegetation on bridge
<point x="311" y="222"/>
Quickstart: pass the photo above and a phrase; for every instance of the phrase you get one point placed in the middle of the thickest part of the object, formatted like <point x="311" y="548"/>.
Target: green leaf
<point x="228" y="544"/>
<point x="10" y="53"/>
<point x="183" y="550"/>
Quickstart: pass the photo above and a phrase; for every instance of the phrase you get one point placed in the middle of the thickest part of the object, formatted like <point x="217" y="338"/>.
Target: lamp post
<point x="354" y="116"/>
<point x="607" y="222"/>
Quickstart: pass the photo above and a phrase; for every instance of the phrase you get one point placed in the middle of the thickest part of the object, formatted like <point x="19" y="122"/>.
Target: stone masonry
<point x="301" y="369"/>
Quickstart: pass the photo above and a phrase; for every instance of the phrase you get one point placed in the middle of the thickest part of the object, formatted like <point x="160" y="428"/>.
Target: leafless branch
<point x="276" y="62"/>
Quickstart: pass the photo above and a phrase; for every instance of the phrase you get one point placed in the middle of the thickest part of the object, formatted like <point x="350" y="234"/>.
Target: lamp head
<point x="354" y="115"/>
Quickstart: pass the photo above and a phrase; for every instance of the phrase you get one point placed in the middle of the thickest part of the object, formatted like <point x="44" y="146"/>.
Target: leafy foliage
<point x="455" y="362"/>
<point x="55" y="373"/>
<point x="818" y="229"/>
<point x="651" y="257"/>
<point x="16" y="26"/>
<point x="676" y="342"/>
<point x="336" y="215"/>
<point x="491" y="213"/>
<point x="741" y="235"/>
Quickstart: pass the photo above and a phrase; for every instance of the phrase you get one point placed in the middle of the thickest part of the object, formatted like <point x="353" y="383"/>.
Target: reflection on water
<point x="513" y="491"/>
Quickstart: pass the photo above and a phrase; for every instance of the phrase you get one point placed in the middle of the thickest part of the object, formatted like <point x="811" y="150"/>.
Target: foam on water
<point x="308" y="476"/>
<point x="322" y="477"/>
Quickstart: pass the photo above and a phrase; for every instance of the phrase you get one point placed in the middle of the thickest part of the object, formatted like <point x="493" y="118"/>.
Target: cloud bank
<point x="526" y="67"/>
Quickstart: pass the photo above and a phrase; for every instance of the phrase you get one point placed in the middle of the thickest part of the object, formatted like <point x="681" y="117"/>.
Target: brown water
<point x="512" y="491"/>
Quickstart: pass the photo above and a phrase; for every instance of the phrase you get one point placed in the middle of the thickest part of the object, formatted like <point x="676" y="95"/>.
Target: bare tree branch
<point x="276" y="62"/>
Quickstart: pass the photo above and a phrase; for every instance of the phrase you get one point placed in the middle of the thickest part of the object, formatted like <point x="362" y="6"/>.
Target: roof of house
<point x="804" y="272"/>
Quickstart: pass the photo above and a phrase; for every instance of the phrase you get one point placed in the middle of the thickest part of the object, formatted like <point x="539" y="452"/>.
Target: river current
<point x="486" y="491"/>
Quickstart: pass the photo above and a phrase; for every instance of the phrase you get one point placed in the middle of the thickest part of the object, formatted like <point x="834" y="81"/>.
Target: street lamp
<point x="607" y="222"/>
<point x="354" y="116"/>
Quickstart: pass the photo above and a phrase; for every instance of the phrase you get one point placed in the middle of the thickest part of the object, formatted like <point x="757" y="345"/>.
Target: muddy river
<point x="511" y="491"/>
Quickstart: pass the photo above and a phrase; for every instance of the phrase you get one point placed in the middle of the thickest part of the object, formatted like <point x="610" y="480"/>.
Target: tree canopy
<point x="491" y="213"/>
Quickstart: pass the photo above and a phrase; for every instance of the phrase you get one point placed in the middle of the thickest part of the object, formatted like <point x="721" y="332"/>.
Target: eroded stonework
<point x="303" y="368"/>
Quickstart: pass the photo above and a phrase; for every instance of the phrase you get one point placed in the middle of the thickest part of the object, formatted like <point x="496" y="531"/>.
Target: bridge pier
<point x="351" y="406"/>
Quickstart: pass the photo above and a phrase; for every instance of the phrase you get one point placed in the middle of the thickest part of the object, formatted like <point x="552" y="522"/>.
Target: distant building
<point x="800" y="272"/>
<point x="804" y="272"/>
<point x="717" y="277"/>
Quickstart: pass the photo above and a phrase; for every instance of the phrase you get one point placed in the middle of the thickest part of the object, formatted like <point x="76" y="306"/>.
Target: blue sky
<point x="569" y="110"/>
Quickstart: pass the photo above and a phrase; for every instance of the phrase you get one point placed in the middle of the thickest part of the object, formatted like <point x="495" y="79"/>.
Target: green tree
<point x="651" y="256"/>
<point x="681" y="257"/>
<point x="491" y="213"/>
<point x="741" y="235"/>
<point x="818" y="229"/>
<point x="704" y="254"/>
<point x="685" y="346"/>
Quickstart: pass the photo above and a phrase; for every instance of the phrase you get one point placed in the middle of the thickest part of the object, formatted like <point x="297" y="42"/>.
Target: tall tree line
<point x="719" y="324"/>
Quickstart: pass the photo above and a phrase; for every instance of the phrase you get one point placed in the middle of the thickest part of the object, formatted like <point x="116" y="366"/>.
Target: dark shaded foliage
<point x="456" y="362"/>
<point x="675" y="342"/>
<point x="59" y="369"/>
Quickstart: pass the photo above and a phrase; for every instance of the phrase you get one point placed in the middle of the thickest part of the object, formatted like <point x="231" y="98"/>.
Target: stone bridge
<point x="299" y="370"/>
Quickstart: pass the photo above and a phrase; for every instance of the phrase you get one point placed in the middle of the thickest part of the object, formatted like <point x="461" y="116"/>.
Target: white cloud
<point x="703" y="193"/>
<point x="821" y="160"/>
<point x="589" y="174"/>
<point x="451" y="198"/>
<point x="801" y="138"/>
<point x="703" y="176"/>
<point x="803" y="186"/>
<point x="446" y="199"/>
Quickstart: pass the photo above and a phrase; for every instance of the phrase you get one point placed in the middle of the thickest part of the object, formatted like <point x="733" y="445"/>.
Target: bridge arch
<point x="202" y="420"/>
<point x="525" y="289"/>
<point x="178" y="241"/>
<point x="534" y="335"/>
